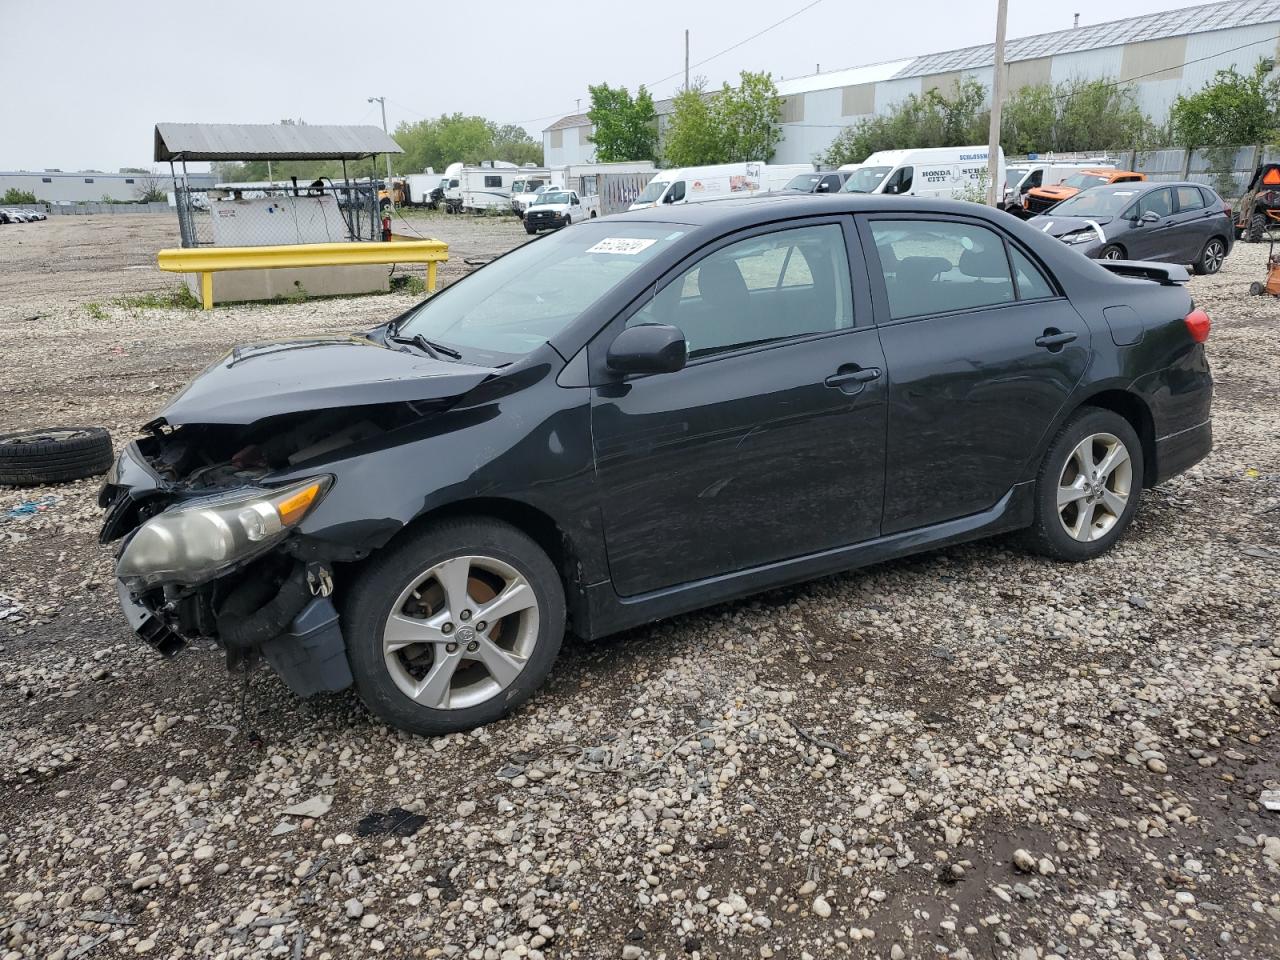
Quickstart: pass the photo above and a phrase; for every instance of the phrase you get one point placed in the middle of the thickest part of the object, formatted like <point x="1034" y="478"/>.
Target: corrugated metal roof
<point x="1169" y="23"/>
<point x="269" y="141"/>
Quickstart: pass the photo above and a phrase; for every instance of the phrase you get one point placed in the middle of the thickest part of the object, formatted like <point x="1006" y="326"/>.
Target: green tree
<point x="692" y="136"/>
<point x="937" y="118"/>
<point x="1233" y="109"/>
<point x="1028" y="119"/>
<point x="454" y="137"/>
<point x="14" y="195"/>
<point x="1098" y="115"/>
<point x="746" y="118"/>
<point x="625" y="127"/>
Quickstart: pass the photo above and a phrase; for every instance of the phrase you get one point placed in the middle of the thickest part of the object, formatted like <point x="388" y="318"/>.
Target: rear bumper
<point x="1180" y="451"/>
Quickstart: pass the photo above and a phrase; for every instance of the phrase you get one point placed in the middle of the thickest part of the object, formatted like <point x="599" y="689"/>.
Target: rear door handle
<point x="1054" y="340"/>
<point x="850" y="375"/>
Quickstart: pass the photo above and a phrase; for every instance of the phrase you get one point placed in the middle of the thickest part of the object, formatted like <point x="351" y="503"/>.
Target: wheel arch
<point x="1134" y="409"/>
<point x="538" y="525"/>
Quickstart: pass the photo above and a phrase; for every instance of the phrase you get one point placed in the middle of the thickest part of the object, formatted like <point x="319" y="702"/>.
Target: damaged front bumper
<point x="272" y="604"/>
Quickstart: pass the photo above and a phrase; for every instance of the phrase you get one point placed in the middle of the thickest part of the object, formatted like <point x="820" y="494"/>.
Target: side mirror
<point x="1150" y="217"/>
<point x="648" y="348"/>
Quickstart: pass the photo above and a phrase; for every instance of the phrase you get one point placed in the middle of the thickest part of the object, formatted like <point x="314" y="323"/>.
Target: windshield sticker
<point x="626" y="246"/>
<point x="1122" y="193"/>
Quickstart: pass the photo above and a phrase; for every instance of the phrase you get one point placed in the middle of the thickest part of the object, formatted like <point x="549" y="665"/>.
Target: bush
<point x="14" y="195"/>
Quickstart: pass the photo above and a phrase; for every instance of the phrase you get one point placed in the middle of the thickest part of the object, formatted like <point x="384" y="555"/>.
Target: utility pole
<point x="994" y="189"/>
<point x="686" y="59"/>
<point x="383" y="101"/>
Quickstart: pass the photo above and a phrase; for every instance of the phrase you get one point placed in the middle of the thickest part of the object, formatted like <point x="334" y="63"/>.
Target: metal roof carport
<point x="268" y="141"/>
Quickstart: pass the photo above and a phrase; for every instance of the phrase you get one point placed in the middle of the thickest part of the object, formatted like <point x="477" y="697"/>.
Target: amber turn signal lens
<point x="295" y="507"/>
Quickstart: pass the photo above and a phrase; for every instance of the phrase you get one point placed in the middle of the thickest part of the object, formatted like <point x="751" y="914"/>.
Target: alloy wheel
<point x="1213" y="256"/>
<point x="1112" y="253"/>
<point x="461" y="632"/>
<point x="1094" y="487"/>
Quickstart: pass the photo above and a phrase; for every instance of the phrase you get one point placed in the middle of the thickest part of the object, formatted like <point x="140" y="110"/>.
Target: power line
<point x="729" y="49"/>
<point x="714" y="56"/>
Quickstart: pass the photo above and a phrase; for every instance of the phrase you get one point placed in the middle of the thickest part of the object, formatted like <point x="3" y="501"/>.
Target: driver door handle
<point x="850" y="375"/>
<point x="1054" y="340"/>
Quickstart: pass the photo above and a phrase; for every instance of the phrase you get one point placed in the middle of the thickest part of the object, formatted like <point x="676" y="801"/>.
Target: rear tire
<point x="1211" y="257"/>
<point x="1257" y="289"/>
<point x="1257" y="227"/>
<point x="54" y="455"/>
<point x="1078" y="517"/>
<point x="1112" y="251"/>
<point x="434" y="586"/>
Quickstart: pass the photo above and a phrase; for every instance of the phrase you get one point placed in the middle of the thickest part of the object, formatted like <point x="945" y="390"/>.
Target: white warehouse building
<point x="1161" y="54"/>
<point x="88" y="186"/>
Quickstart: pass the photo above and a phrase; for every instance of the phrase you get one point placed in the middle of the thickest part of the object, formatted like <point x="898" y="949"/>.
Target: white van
<point x="720" y="182"/>
<point x="945" y="172"/>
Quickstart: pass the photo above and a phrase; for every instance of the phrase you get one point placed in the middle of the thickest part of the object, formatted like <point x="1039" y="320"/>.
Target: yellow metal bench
<point x="207" y="261"/>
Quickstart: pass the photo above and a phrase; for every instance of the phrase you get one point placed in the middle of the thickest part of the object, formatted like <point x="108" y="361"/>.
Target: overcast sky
<point x="83" y="82"/>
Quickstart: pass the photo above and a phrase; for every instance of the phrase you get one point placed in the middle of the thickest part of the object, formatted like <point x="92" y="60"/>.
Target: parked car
<point x="817" y="182"/>
<point x="644" y="415"/>
<point x="1046" y="197"/>
<point x="938" y="172"/>
<point x="1262" y="194"/>
<point x="1167" y="222"/>
<point x="34" y="214"/>
<point x="553" y="209"/>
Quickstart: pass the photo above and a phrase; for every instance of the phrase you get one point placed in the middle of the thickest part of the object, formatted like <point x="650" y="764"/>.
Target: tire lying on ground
<point x="53" y="455"/>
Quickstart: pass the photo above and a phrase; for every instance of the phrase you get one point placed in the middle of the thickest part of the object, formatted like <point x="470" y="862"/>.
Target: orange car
<point x="1042" y="198"/>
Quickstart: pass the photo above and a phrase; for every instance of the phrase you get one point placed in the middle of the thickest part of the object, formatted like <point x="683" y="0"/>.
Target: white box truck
<point x="720" y="182"/>
<point x="943" y="172"/>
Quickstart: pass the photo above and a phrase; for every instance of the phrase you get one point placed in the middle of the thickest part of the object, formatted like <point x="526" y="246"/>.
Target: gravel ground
<point x="971" y="754"/>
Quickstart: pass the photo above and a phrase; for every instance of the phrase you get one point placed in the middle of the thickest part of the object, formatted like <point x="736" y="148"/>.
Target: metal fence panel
<point x="277" y="216"/>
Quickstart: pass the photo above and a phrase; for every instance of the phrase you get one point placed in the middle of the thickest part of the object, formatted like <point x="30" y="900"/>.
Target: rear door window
<point x="1032" y="284"/>
<point x="939" y="266"/>
<point x="1189" y="198"/>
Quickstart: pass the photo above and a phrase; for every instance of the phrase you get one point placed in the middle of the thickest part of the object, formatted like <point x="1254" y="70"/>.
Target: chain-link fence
<point x="254" y="215"/>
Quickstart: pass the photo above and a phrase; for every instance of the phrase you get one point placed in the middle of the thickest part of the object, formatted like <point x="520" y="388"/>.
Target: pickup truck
<point x="553" y="209"/>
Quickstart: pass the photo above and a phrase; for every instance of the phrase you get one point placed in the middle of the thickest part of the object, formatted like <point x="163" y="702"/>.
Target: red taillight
<point x="1198" y="325"/>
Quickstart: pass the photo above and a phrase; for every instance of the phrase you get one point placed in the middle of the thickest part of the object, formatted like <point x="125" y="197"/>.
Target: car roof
<point x="744" y="211"/>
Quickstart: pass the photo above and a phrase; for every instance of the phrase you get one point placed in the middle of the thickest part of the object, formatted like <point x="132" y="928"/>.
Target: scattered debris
<point x="1270" y="799"/>
<point x="317" y="806"/>
<point x="397" y="821"/>
<point x="30" y="508"/>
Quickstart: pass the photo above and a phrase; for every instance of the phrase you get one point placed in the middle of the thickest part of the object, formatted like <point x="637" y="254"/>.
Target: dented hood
<point x="1061" y="226"/>
<point x="316" y="373"/>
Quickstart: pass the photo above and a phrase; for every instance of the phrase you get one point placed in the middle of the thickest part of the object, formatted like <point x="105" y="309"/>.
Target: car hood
<point x="1061" y="226"/>
<point x="316" y="373"/>
<point x="1054" y="193"/>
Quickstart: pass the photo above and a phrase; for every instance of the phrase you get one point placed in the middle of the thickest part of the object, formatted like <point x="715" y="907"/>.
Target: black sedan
<point x="1166" y="222"/>
<point x="645" y="415"/>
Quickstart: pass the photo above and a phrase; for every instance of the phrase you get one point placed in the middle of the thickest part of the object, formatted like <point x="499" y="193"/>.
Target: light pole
<point x="994" y="189"/>
<point x="390" y="194"/>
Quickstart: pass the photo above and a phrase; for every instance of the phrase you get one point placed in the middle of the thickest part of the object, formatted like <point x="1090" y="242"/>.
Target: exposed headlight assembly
<point x="1079" y="236"/>
<point x="190" y="543"/>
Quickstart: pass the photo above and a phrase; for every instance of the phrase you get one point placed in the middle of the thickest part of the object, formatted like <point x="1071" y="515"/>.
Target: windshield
<point x="517" y="186"/>
<point x="1095" y="203"/>
<point x="552" y="196"/>
<point x="653" y="191"/>
<point x="804" y="182"/>
<point x="518" y="302"/>
<point x="1084" y="181"/>
<point x="1013" y="176"/>
<point x="866" y="179"/>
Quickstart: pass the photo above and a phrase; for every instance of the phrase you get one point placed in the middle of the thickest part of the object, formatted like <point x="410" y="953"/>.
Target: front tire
<point x="1112" y="251"/>
<point x="454" y="627"/>
<point x="530" y="230"/>
<point x="1211" y="257"/>
<point x="1088" y="487"/>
